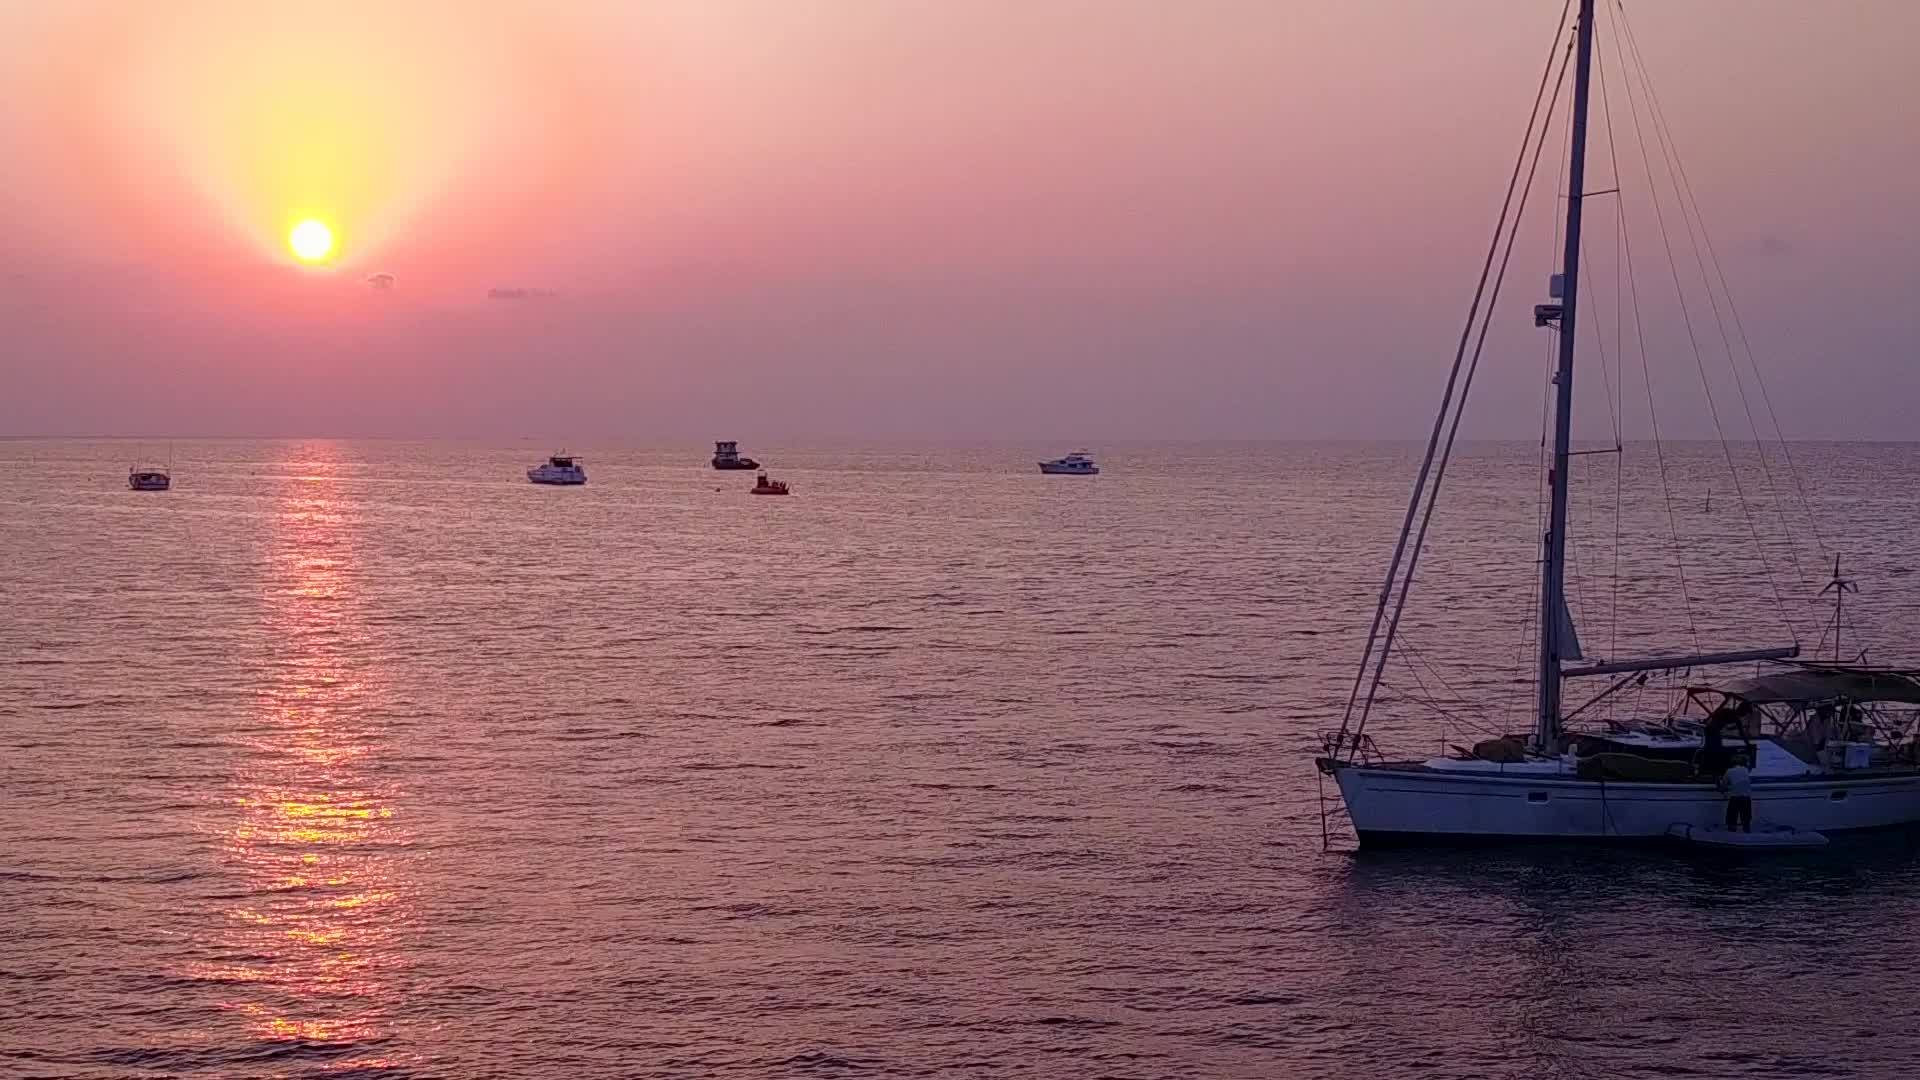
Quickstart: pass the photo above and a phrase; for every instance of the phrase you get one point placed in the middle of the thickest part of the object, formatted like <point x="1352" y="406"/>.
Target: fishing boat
<point x="1077" y="463"/>
<point x="562" y="469"/>
<point x="764" y="486"/>
<point x="1831" y="744"/>
<point x="726" y="455"/>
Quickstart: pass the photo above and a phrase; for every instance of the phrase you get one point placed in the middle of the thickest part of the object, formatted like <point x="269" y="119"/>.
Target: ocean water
<point x="371" y="759"/>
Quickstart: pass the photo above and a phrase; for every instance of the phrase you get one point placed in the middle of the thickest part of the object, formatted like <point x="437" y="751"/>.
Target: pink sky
<point x="1082" y="220"/>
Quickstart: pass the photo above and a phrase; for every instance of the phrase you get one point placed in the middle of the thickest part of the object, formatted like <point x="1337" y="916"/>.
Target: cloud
<point x="380" y="282"/>
<point x="518" y="292"/>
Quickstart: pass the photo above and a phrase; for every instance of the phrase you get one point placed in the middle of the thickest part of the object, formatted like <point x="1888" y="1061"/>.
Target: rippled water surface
<point x="372" y="759"/>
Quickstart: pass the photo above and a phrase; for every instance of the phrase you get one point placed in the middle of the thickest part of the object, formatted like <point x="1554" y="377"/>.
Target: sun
<point x="311" y="240"/>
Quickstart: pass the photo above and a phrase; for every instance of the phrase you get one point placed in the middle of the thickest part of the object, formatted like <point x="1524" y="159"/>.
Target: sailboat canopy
<point x="1826" y="685"/>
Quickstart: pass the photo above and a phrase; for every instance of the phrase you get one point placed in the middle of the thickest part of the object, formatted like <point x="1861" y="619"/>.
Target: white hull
<point x="547" y="474"/>
<point x="1413" y="804"/>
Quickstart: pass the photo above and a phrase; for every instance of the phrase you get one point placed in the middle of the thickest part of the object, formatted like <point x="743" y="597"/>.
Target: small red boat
<point x="764" y="486"/>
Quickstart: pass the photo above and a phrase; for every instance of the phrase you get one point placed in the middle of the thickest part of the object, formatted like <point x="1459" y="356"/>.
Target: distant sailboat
<point x="151" y="477"/>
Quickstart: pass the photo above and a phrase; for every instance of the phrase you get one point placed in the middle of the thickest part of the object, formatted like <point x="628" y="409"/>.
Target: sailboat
<point x="148" y="476"/>
<point x="1830" y="744"/>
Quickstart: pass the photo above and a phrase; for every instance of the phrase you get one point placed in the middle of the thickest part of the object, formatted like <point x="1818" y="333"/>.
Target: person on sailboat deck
<point x="1713" y="752"/>
<point x="1820" y="726"/>
<point x="1738" y="784"/>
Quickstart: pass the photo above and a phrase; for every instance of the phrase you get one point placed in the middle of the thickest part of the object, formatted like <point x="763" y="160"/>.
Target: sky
<point x="1080" y="220"/>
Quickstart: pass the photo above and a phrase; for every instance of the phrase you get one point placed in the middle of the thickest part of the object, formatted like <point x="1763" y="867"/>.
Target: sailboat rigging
<point x="1831" y="746"/>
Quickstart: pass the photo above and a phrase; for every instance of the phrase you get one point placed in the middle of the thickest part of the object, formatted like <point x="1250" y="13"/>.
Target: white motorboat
<point x="1832" y="746"/>
<point x="1077" y="463"/>
<point x="558" y="469"/>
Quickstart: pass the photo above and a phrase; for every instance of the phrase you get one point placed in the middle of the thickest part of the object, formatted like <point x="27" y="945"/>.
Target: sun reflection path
<point x="311" y="946"/>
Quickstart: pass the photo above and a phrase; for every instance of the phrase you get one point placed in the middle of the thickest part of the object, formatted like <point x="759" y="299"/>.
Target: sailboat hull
<point x="1414" y="804"/>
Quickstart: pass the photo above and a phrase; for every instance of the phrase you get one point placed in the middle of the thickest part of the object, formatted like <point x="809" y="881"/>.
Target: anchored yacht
<point x="558" y="469"/>
<point x="1830" y="745"/>
<point x="151" y="476"/>
<point x="148" y="478"/>
<point x="726" y="455"/>
<point x="1077" y="463"/>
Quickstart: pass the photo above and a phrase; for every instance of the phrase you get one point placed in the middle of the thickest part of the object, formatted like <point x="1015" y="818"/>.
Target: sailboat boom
<point x="1670" y="663"/>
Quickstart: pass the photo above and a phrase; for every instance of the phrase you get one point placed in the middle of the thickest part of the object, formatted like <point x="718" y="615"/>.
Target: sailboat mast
<point x="1553" y="568"/>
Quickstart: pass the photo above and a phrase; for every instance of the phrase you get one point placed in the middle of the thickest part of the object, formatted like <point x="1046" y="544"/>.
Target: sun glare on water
<point x="311" y="241"/>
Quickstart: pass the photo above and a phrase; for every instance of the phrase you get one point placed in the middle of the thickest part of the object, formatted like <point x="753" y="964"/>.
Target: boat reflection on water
<point x="1495" y="961"/>
<point x="310" y="939"/>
